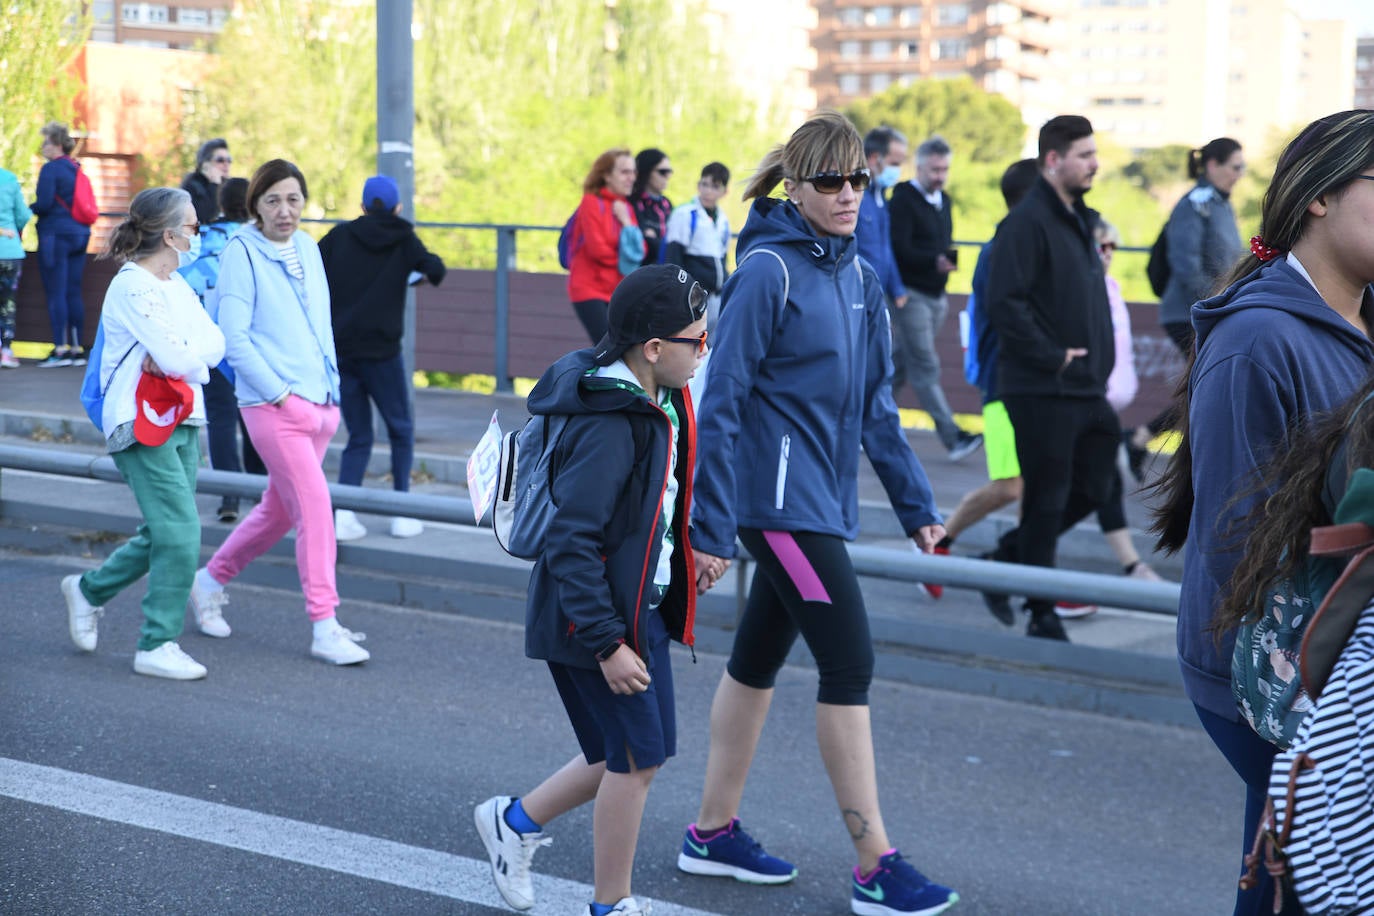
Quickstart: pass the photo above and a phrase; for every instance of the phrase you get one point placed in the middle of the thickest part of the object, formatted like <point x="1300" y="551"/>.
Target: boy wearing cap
<point x="617" y="579"/>
<point x="367" y="263"/>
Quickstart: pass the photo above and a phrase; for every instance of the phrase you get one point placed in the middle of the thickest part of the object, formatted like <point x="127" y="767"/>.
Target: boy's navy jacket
<point x="1270" y="352"/>
<point x="367" y="262"/>
<point x="799" y="379"/>
<point x="1046" y="294"/>
<point x="595" y="581"/>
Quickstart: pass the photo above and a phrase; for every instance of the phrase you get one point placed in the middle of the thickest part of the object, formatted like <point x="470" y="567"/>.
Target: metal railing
<point x="880" y="562"/>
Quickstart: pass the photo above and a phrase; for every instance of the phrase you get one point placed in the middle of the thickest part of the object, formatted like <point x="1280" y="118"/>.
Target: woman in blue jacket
<point x="62" y="245"/>
<point x="1203" y="245"/>
<point x="1288" y="338"/>
<point x="798" y="384"/>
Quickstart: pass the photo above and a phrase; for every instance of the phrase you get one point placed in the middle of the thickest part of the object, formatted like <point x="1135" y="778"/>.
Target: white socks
<point x="206" y="582"/>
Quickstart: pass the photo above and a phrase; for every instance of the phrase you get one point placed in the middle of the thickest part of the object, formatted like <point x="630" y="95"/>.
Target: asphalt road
<point x="282" y="785"/>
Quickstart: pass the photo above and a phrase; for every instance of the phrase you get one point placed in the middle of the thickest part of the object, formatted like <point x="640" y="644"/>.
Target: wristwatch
<point x="608" y="650"/>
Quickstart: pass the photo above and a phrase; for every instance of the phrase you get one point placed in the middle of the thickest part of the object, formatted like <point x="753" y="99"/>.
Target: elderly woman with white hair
<point x="155" y="351"/>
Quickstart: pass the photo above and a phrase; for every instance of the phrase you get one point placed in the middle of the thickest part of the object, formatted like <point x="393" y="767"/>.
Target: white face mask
<point x="191" y="254"/>
<point x="889" y="176"/>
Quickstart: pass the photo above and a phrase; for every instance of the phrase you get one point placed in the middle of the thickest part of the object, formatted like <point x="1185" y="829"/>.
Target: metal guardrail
<point x="881" y="562"/>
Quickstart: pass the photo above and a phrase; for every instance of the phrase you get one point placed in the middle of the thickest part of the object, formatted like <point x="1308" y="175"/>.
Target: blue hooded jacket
<point x="53" y="199"/>
<point x="1270" y="352"/>
<point x="799" y="379"/>
<point x="594" y="581"/>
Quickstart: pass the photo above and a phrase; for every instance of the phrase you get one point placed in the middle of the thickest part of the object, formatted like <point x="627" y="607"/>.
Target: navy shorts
<point x="617" y="729"/>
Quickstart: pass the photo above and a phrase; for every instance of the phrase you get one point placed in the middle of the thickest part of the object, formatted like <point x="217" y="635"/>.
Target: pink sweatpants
<point x="292" y="440"/>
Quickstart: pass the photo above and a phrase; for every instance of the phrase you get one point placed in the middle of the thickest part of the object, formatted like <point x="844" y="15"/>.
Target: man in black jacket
<point x="368" y="262"/>
<point x="1047" y="300"/>
<point x="922" y="230"/>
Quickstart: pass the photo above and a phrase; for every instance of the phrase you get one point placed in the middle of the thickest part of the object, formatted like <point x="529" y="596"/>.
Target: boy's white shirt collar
<point x="621" y="371"/>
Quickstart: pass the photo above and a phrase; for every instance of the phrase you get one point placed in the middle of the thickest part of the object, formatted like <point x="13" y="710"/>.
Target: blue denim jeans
<point x="362" y="383"/>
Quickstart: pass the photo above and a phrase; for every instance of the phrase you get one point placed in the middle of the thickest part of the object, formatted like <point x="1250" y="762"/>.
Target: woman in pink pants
<point x="272" y="303"/>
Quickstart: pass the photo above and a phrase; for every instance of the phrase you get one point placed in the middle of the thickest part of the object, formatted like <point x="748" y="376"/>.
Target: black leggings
<point x="592" y="314"/>
<point x="804" y="584"/>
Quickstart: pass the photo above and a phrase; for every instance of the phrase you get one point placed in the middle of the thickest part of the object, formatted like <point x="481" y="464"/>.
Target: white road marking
<point x="428" y="870"/>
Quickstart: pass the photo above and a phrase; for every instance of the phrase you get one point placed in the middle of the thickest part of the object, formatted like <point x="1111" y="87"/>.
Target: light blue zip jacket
<point x="277" y="331"/>
<point x="14" y="215"/>
<point x="799" y="380"/>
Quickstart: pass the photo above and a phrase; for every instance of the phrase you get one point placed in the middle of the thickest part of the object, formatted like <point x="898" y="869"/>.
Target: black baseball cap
<point x="654" y="301"/>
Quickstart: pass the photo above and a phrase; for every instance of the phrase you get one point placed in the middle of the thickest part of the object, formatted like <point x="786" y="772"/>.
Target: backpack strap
<point x="1331" y="627"/>
<point x="1341" y="540"/>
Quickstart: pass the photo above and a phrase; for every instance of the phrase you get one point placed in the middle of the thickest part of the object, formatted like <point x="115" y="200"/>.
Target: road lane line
<point x="374" y="858"/>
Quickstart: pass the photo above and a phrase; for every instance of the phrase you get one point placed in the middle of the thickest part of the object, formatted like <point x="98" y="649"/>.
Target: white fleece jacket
<point x="145" y="316"/>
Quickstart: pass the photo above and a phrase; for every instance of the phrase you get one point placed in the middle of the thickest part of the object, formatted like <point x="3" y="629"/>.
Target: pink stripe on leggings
<point x="797" y="566"/>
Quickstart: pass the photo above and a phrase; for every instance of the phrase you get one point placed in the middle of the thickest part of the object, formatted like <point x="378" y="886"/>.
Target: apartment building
<point x="1364" y="73"/>
<point x="1153" y="72"/>
<point x="862" y="47"/>
<point x="178" y="25"/>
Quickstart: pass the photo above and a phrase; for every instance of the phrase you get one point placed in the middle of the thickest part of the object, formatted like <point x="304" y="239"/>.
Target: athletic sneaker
<point x="626" y="906"/>
<point x="1069" y="610"/>
<point x="510" y="852"/>
<point x="732" y="853"/>
<point x="339" y="646"/>
<point x="402" y="527"/>
<point x="168" y="661"/>
<point x="347" y="527"/>
<point x="58" y="357"/>
<point x="77" y="355"/>
<point x="83" y="618"/>
<point x="896" y="888"/>
<point x="999" y="605"/>
<point x="207" y="605"/>
<point x="936" y="592"/>
<point x="1046" y="626"/>
<point x="965" y="445"/>
<point x="7" y="359"/>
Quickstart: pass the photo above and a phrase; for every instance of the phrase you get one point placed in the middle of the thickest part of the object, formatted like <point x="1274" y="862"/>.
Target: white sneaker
<point x="207" y="604"/>
<point x="511" y="853"/>
<point x="347" y="527"/>
<point x="168" y="661"/>
<point x="83" y="618"/>
<point x="339" y="647"/>
<point x="628" y="906"/>
<point x="402" y="527"/>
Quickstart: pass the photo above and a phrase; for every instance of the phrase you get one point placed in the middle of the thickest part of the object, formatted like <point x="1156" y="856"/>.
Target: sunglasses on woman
<point x="832" y="182"/>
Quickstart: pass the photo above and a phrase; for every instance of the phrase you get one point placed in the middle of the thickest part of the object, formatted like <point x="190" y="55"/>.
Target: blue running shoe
<point x="732" y="853"/>
<point x="896" y="888"/>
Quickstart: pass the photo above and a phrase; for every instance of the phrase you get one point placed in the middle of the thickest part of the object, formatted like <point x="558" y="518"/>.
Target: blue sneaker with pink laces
<point x="896" y="888"/>
<point x="732" y="853"/>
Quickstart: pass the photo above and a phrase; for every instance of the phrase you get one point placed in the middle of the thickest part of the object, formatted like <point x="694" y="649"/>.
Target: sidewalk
<point x="42" y="405"/>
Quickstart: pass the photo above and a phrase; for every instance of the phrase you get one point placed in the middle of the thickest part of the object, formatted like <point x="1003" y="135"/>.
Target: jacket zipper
<point x="784" y="455"/>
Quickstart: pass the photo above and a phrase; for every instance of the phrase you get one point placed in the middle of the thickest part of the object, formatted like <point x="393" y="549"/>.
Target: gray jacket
<point x="1203" y="244"/>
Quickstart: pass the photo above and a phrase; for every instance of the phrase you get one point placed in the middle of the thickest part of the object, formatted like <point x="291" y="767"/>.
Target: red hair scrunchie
<point x="1262" y="251"/>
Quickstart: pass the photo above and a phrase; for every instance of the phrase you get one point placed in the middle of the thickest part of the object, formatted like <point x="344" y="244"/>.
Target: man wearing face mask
<point x="922" y="233"/>
<point x="885" y="149"/>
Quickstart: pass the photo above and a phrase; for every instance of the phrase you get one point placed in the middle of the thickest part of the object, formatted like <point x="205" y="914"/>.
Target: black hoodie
<point x="367" y="262"/>
<point x="1046" y="294"/>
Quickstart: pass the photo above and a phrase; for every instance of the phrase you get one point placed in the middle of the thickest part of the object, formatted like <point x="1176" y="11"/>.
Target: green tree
<point x="39" y="42"/>
<point x="294" y="79"/>
<point x="513" y="101"/>
<point x="980" y="126"/>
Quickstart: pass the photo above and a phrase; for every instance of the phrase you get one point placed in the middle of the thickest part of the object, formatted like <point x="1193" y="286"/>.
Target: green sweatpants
<point x="166" y="547"/>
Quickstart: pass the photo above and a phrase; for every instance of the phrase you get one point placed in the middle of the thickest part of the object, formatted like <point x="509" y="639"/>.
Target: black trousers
<point x="223" y="425"/>
<point x="1067" y="451"/>
<point x="1181" y="333"/>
